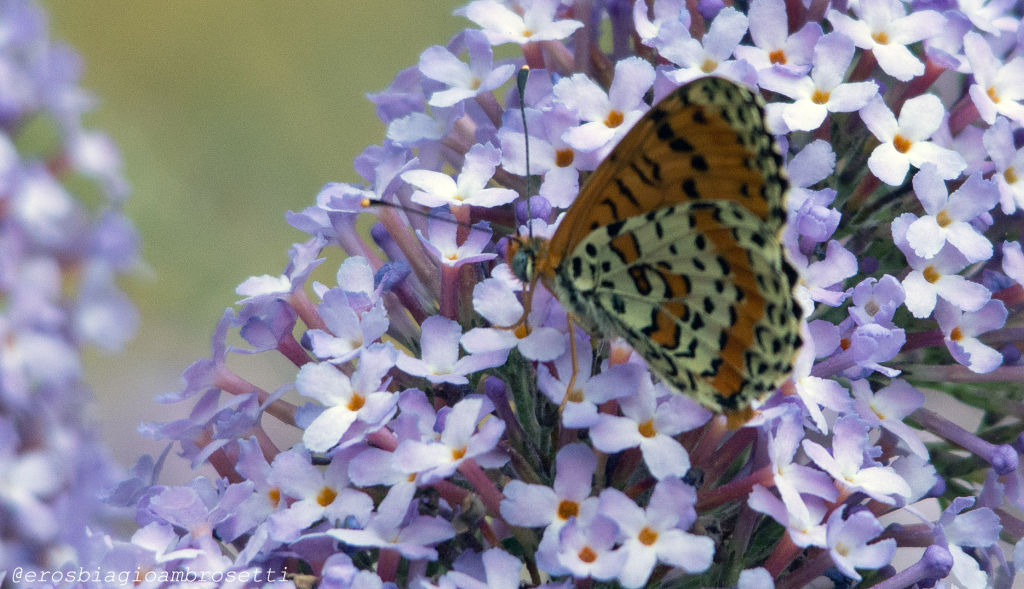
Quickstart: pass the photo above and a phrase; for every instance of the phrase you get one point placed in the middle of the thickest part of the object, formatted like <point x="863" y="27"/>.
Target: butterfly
<point x="674" y="244"/>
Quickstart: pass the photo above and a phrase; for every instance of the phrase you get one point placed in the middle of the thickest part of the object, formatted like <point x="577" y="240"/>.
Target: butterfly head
<point x="522" y="255"/>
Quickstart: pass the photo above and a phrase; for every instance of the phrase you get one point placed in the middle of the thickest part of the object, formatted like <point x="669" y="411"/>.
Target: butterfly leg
<point x="570" y="389"/>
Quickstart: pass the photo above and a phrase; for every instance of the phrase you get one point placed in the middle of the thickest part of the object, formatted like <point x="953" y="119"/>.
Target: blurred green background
<point x="227" y="114"/>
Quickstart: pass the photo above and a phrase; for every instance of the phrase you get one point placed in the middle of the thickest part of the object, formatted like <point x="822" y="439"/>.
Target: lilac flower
<point x="936" y="277"/>
<point x="313" y="494"/>
<point x="550" y="155"/>
<point x="773" y="44"/>
<point x="905" y="143"/>
<point x="823" y="91"/>
<point x="606" y="117"/>
<point x="657" y="533"/>
<point x="649" y="420"/>
<point x="887" y="408"/>
<point x="886" y="29"/>
<point x="462" y="438"/>
<point x="495" y="301"/>
<point x="553" y="507"/>
<point x="961" y="331"/>
<point x="437" y="189"/>
<point x="587" y="549"/>
<point x="997" y="87"/>
<point x="441" y="362"/>
<point x="347" y="401"/>
<point x="697" y="58"/>
<point x="847" y="461"/>
<point x="579" y="405"/>
<point x="463" y="81"/>
<point x="848" y="542"/>
<point x="495" y="568"/>
<point x="65" y="244"/>
<point x="395" y="525"/>
<point x="974" y="529"/>
<point x="948" y="217"/>
<point x="801" y="519"/>
<point x="1009" y="164"/>
<point x="536" y="23"/>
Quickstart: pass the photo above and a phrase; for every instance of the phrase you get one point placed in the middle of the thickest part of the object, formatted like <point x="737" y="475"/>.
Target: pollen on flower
<point x="844" y="343"/>
<point x="1010" y="175"/>
<point x="326" y="496"/>
<point x="778" y="56"/>
<point x="956" y="335"/>
<point x="943" y="218"/>
<point x="458" y="453"/>
<point x="647" y="536"/>
<point x="475" y="84"/>
<point x="708" y="66"/>
<point x="646" y="429"/>
<point x="931" y="274"/>
<point x="274" y="494"/>
<point x="567" y="509"/>
<point x="992" y="94"/>
<point x="574" y="395"/>
<point x="901" y="143"/>
<point x="587" y="554"/>
<point x="356" y="402"/>
<point x="614" y="119"/>
<point x="521" y="331"/>
<point x="820" y="97"/>
<point x="881" y="37"/>
<point x="564" y="157"/>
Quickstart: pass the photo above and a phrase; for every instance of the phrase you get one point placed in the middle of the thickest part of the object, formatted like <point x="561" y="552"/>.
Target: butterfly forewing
<point x="701" y="290"/>
<point x="704" y="141"/>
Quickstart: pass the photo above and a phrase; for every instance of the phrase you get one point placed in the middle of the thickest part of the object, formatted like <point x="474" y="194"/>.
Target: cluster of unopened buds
<point x="442" y="429"/>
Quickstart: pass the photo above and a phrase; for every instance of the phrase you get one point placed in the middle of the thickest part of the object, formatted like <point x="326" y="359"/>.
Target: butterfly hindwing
<point x="704" y="141"/>
<point x="701" y="290"/>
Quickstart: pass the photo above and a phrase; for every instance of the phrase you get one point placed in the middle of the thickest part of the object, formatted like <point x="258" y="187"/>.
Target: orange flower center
<point x="709" y="66"/>
<point x="1010" y="175"/>
<point x="274" y="494"/>
<point x="564" y="157"/>
<point x="567" y="509"/>
<point x="614" y="119"/>
<point x="943" y="218"/>
<point x="646" y="429"/>
<point x="881" y="37"/>
<point x="587" y="554"/>
<point x="647" y="536"/>
<point x="778" y="56"/>
<point x="356" y="402"/>
<point x="458" y="453"/>
<point x="931" y="274"/>
<point x="956" y="335"/>
<point x="992" y="94"/>
<point x="901" y="143"/>
<point x="326" y="496"/>
<point x="820" y="97"/>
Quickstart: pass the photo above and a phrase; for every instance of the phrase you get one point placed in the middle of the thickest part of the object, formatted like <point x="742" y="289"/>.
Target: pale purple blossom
<point x="885" y="28"/>
<point x="904" y="143"/>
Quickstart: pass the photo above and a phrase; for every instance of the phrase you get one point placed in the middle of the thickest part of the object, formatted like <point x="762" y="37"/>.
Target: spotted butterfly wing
<point x="700" y="290"/>
<point x="705" y="140"/>
<point x="673" y="244"/>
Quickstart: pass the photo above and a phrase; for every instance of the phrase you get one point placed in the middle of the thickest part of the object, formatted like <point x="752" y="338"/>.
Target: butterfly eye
<point x="520" y="259"/>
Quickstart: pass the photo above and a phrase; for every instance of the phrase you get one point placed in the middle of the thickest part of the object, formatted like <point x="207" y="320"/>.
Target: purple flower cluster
<point x="63" y="243"/>
<point x="433" y="436"/>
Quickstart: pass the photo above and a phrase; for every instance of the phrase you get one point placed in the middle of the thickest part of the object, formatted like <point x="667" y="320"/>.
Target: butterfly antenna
<point x="521" y="77"/>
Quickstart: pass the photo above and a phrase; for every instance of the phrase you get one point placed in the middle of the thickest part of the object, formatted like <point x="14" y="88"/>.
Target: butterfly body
<point x="673" y="244"/>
